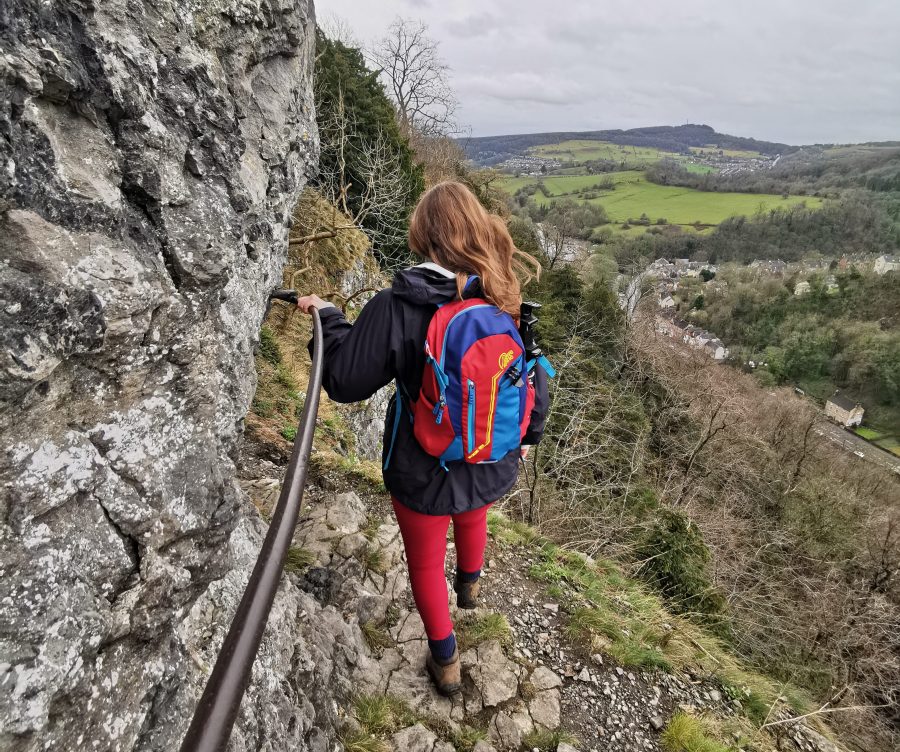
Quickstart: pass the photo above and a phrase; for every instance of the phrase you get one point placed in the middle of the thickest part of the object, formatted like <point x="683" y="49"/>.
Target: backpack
<point x="477" y="393"/>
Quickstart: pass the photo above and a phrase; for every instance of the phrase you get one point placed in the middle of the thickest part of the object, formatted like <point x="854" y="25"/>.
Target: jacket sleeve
<point x="359" y="358"/>
<point x="541" y="407"/>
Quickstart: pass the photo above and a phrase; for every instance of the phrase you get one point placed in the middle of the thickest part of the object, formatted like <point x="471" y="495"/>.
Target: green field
<point x="628" y="157"/>
<point x="881" y="439"/>
<point x="634" y="196"/>
<point x="738" y="153"/>
<point x="890" y="445"/>
<point x="580" y="151"/>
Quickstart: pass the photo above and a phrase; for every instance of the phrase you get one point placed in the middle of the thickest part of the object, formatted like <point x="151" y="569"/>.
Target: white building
<point x="885" y="264"/>
<point x="716" y="349"/>
<point x="841" y="409"/>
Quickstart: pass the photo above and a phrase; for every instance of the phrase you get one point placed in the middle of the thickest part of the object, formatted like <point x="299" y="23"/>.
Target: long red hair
<point x="450" y="227"/>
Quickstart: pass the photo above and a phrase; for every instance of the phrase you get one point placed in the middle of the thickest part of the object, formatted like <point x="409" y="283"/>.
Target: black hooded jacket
<point x="386" y="342"/>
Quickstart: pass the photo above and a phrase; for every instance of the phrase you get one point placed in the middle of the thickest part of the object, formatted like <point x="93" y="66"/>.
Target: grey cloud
<point x="475" y="25"/>
<point x="804" y="71"/>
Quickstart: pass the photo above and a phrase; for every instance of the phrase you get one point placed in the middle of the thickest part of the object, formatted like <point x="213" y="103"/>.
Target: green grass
<point x="374" y="560"/>
<point x="737" y="153"/>
<point x="370" y="531"/>
<point x="464" y="738"/>
<point x="582" y="150"/>
<point x="383" y="714"/>
<point x="298" y="559"/>
<point x="700" y="169"/>
<point x="548" y="741"/>
<point x="365" y="475"/>
<point x="612" y="613"/>
<point x="634" y="196"/>
<point x="376" y="636"/>
<point x="868" y="433"/>
<point x="474" y="630"/>
<point x="685" y="206"/>
<point x="685" y="733"/>
<point x="631" y="157"/>
<point x="629" y="641"/>
<point x="891" y="445"/>
<point x="380" y="716"/>
<point x="507" y="531"/>
<point x="360" y="740"/>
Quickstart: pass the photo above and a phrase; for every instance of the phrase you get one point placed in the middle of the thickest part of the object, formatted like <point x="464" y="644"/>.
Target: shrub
<point x="675" y="560"/>
<point x="268" y="346"/>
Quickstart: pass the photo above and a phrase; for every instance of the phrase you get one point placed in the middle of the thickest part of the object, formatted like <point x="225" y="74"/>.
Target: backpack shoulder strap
<point x="545" y="364"/>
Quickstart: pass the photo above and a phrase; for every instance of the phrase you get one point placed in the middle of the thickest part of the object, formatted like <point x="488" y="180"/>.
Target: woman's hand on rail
<point x="308" y="302"/>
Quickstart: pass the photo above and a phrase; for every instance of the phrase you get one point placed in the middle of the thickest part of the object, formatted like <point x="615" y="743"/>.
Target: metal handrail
<point x="215" y="714"/>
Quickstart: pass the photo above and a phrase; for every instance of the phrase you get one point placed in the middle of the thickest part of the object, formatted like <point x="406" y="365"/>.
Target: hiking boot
<point x="466" y="592"/>
<point x="445" y="674"/>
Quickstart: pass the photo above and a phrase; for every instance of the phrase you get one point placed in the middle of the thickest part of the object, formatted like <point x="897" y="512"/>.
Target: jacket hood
<point x="427" y="284"/>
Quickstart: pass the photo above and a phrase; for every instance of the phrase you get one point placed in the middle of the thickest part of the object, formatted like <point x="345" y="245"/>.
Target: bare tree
<point x="416" y="77"/>
<point x="566" y="223"/>
<point x="377" y="209"/>
<point x="338" y="28"/>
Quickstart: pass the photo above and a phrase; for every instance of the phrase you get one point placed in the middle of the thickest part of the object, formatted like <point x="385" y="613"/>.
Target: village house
<point x="776" y="267"/>
<point x="885" y="264"/>
<point x="665" y="325"/>
<point x="716" y="349"/>
<point x="841" y="409"/>
<point x="801" y="288"/>
<point x="678" y="329"/>
<point x="669" y="270"/>
<point x="661" y="268"/>
<point x="666" y="301"/>
<point x="701" y="337"/>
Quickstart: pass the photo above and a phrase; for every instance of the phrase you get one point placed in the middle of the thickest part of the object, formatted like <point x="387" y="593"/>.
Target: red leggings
<point x="425" y="540"/>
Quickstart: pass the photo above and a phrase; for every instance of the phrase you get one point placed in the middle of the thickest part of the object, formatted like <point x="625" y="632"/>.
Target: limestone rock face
<point x="150" y="158"/>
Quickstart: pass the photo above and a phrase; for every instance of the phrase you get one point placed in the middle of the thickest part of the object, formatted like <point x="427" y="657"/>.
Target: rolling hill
<point x="491" y="150"/>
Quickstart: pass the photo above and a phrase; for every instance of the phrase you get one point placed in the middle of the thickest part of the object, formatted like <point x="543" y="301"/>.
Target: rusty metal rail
<point x="215" y="714"/>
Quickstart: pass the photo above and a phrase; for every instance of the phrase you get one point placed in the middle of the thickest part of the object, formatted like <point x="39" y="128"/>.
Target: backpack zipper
<point x="471" y="416"/>
<point x="450" y="323"/>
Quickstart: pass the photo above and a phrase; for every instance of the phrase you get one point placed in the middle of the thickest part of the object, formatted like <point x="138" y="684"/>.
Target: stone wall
<point x="150" y="157"/>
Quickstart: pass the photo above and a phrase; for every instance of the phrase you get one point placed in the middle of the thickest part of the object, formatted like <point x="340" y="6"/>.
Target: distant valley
<point x="799" y="246"/>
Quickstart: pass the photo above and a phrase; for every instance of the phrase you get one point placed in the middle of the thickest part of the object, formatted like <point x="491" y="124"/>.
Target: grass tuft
<point x="370" y="531"/>
<point x="360" y="740"/>
<point x="383" y="714"/>
<point x="374" y="560"/>
<point x="298" y="559"/>
<point x="685" y="733"/>
<point x="376" y="636"/>
<point x="548" y="741"/>
<point x="465" y="738"/>
<point x="510" y="533"/>
<point x="481" y="628"/>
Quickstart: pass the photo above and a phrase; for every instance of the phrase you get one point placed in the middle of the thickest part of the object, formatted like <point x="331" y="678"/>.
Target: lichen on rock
<point x="151" y="155"/>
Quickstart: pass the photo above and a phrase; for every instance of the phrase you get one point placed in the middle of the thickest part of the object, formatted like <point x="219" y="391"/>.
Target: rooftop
<point x="843" y="401"/>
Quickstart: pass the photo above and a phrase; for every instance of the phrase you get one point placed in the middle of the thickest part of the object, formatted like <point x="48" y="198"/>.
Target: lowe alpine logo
<point x="506" y="358"/>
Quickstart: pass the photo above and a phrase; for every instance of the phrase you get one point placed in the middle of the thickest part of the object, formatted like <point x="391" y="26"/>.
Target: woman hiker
<point x="459" y="421"/>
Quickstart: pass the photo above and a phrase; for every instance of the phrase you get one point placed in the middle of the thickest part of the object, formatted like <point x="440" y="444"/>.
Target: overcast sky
<point x="796" y="71"/>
